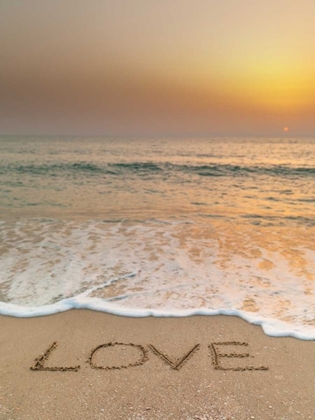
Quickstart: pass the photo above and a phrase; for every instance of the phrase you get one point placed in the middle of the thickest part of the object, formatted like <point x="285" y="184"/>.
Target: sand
<point x="88" y="365"/>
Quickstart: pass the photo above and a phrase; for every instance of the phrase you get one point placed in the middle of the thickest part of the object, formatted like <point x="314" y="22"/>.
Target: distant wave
<point x="141" y="168"/>
<point x="228" y="170"/>
<point x="138" y="166"/>
<point x="56" y="168"/>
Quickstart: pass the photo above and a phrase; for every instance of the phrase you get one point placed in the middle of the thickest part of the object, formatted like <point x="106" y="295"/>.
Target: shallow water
<point x="165" y="227"/>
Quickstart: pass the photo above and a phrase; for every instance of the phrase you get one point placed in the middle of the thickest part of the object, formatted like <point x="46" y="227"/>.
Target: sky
<point x="157" y="67"/>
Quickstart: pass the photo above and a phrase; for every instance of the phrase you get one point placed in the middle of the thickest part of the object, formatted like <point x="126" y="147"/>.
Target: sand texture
<point x="88" y="365"/>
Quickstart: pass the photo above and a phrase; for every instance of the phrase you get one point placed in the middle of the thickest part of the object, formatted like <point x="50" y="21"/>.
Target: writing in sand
<point x="216" y="352"/>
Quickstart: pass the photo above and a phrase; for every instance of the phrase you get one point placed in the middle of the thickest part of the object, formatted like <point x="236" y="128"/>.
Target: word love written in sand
<point x="175" y="363"/>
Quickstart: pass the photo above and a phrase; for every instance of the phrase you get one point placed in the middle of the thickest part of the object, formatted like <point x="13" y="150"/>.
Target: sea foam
<point x="160" y="268"/>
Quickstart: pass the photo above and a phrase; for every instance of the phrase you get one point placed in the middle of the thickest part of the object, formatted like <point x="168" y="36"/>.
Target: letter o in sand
<point x="143" y="356"/>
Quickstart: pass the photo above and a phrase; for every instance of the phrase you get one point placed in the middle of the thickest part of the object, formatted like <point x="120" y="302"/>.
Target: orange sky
<point x="167" y="67"/>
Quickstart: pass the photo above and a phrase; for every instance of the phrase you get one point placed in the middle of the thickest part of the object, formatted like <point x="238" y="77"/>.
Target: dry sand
<point x="153" y="378"/>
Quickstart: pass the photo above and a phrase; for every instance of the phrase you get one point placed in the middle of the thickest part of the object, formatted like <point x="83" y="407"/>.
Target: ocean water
<point x="162" y="227"/>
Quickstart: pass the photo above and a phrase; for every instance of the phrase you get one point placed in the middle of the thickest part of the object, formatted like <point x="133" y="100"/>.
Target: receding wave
<point x="141" y="168"/>
<point x="154" y="268"/>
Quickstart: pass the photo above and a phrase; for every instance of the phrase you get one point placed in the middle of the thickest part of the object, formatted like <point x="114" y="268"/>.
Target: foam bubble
<point x="160" y="269"/>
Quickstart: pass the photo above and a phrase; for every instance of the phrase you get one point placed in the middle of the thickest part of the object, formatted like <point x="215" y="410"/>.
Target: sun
<point x="286" y="129"/>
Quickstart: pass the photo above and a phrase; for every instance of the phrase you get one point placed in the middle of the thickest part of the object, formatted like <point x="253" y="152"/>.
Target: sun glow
<point x="278" y="88"/>
<point x="273" y="83"/>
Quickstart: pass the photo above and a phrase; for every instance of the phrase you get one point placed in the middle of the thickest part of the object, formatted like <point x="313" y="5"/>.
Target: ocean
<point x="160" y="227"/>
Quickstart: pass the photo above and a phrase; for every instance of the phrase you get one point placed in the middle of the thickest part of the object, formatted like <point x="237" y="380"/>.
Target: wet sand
<point x="89" y="365"/>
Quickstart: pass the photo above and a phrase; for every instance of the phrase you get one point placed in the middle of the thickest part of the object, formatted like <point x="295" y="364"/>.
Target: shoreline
<point x="105" y="366"/>
<point x="83" y="302"/>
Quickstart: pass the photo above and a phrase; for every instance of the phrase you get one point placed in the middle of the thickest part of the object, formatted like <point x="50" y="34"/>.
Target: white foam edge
<point x="271" y="327"/>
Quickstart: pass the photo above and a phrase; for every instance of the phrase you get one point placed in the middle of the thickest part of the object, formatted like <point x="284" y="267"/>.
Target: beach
<point x="157" y="279"/>
<point x="84" y="364"/>
<point x="157" y="210"/>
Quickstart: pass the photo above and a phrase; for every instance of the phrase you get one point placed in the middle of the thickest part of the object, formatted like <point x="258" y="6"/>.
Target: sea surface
<point x="162" y="227"/>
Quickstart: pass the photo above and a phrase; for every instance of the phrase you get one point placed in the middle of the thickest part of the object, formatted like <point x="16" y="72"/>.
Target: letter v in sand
<point x="174" y="363"/>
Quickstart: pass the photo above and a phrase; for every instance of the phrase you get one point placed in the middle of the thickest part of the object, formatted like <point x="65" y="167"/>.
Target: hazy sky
<point x="157" y="67"/>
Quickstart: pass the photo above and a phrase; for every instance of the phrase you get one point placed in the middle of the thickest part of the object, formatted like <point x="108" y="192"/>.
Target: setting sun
<point x="286" y="129"/>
